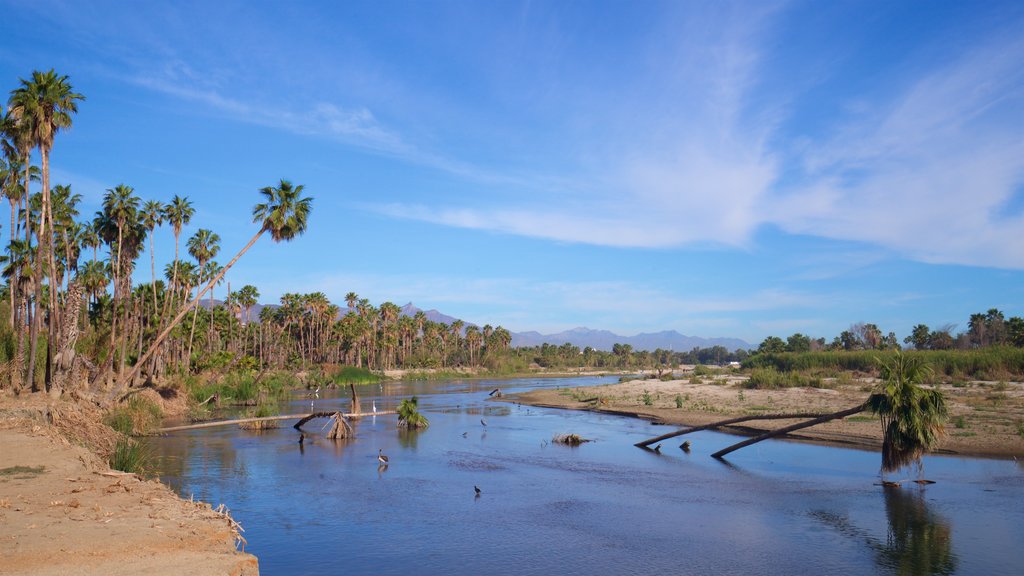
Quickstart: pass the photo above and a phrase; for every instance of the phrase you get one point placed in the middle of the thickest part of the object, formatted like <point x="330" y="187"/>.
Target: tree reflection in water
<point x="918" y="542"/>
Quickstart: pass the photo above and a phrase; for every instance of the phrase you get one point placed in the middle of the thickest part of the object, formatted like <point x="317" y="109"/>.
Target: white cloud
<point x="926" y="173"/>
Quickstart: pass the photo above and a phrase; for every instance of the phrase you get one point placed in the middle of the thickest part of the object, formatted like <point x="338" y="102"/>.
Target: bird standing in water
<point x="484" y="422"/>
<point x="477" y="489"/>
<point x="381" y="457"/>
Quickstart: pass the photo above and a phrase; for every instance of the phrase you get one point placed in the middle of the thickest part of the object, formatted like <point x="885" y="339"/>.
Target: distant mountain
<point x="432" y="315"/>
<point x="604" y="340"/>
<point x="582" y="337"/>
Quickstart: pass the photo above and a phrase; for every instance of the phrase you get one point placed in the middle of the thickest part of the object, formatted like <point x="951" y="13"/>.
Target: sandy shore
<point x="987" y="418"/>
<point x="62" y="511"/>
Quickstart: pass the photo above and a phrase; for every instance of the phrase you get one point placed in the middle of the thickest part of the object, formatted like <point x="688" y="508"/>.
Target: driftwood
<point x="306" y="417"/>
<point x="788" y="429"/>
<point x="728" y="422"/>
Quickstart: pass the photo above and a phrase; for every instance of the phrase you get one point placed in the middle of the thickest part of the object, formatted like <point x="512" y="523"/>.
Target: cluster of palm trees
<point x="129" y="329"/>
<point x="308" y="329"/>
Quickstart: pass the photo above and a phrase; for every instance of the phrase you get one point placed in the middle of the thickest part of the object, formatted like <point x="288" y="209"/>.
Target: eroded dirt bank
<point x="63" y="511"/>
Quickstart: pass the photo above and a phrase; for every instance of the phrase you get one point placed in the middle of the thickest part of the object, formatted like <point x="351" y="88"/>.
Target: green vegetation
<point x="22" y="472"/>
<point x="136" y="417"/>
<point x="409" y="416"/>
<point x="353" y="375"/>
<point x="647" y="399"/>
<point x="983" y="363"/>
<point x="679" y="400"/>
<point x="912" y="416"/>
<point x="769" y="379"/>
<point x="131" y="456"/>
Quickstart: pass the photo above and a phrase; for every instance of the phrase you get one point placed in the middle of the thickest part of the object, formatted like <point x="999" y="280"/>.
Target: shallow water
<point x="605" y="507"/>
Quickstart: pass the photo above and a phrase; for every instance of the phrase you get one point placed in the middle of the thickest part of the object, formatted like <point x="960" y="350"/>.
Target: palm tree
<point x="284" y="213"/>
<point x="93" y="276"/>
<point x="120" y="212"/>
<point x="409" y="415"/>
<point x="152" y="216"/>
<point x="44" y="105"/>
<point x="912" y="417"/>
<point x="203" y="246"/>
<point x="178" y="213"/>
<point x="17" y="269"/>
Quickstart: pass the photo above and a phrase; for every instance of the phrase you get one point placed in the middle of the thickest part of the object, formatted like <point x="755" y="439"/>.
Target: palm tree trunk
<point x="788" y="429"/>
<point x="13" y="284"/>
<point x="184" y="311"/>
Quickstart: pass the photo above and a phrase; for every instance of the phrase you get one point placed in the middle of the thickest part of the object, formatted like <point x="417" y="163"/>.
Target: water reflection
<point x="918" y="541"/>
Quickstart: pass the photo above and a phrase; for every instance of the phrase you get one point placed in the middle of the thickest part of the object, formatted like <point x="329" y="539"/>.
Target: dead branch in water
<point x="821" y="419"/>
<point x="728" y="422"/>
<point x="307" y="417"/>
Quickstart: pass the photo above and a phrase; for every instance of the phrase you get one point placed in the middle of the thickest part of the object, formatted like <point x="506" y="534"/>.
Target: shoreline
<point x="987" y="433"/>
<point x="63" y="510"/>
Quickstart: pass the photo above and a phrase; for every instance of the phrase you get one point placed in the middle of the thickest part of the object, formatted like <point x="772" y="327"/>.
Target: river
<point x="606" y="507"/>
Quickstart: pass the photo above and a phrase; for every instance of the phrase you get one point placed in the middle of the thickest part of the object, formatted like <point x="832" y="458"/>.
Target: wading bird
<point x="484" y="422"/>
<point x="381" y="457"/>
<point x="477" y="488"/>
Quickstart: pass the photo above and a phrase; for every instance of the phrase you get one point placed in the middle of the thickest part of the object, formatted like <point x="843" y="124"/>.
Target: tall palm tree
<point x="284" y="213"/>
<point x="17" y="269"/>
<point x="152" y="216"/>
<point x="178" y="213"/>
<point x="203" y="246"/>
<point x="912" y="416"/>
<point x="45" y="104"/>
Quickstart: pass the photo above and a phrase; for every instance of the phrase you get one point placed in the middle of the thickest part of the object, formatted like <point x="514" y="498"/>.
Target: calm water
<point x="602" y="508"/>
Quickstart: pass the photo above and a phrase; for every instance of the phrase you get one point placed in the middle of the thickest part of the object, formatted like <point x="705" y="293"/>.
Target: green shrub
<point x="679" y="400"/>
<point x="130" y="456"/>
<point x="134" y="418"/>
<point x="353" y="375"/>
<point x="648" y="401"/>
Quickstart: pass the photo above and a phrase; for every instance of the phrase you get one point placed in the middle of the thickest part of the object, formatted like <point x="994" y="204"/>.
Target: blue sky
<point x="721" y="169"/>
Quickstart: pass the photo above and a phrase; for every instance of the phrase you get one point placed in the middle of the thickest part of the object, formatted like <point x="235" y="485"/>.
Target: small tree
<point x="409" y="415"/>
<point x="912" y="417"/>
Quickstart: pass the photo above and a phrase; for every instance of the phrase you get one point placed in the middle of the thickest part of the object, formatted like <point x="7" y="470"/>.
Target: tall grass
<point x="134" y="418"/>
<point x="769" y="378"/>
<point x="131" y="456"/>
<point x="993" y="363"/>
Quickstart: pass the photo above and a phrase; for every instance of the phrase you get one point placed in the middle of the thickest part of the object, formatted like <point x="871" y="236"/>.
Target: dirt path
<point x="62" y="511"/>
<point x="987" y="418"/>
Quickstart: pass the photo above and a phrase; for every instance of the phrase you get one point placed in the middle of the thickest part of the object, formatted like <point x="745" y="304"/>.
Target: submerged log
<point x="306" y="417"/>
<point x="728" y="422"/>
<point x="788" y="429"/>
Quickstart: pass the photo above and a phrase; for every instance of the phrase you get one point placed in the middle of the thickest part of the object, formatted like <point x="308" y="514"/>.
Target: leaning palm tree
<point x="284" y="213"/>
<point x="912" y="417"/>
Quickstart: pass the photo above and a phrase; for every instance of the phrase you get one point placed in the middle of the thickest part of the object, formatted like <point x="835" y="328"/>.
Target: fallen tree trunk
<point x="728" y="422"/>
<point x="304" y="418"/>
<point x="788" y="429"/>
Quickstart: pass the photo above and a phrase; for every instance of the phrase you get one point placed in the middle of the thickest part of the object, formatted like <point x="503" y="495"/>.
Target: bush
<point x="353" y="375"/>
<point x="130" y="456"/>
<point x="135" y="418"/>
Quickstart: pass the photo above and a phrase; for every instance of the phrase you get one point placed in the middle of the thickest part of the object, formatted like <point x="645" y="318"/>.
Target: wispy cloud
<point x="926" y="172"/>
<point x="356" y="126"/>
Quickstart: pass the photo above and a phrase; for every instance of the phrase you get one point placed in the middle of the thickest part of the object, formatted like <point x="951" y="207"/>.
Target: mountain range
<point x="582" y="337"/>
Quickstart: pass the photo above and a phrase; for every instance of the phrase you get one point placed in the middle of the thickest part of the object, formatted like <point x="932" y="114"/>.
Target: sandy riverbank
<point x="62" y="510"/>
<point x="987" y="418"/>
